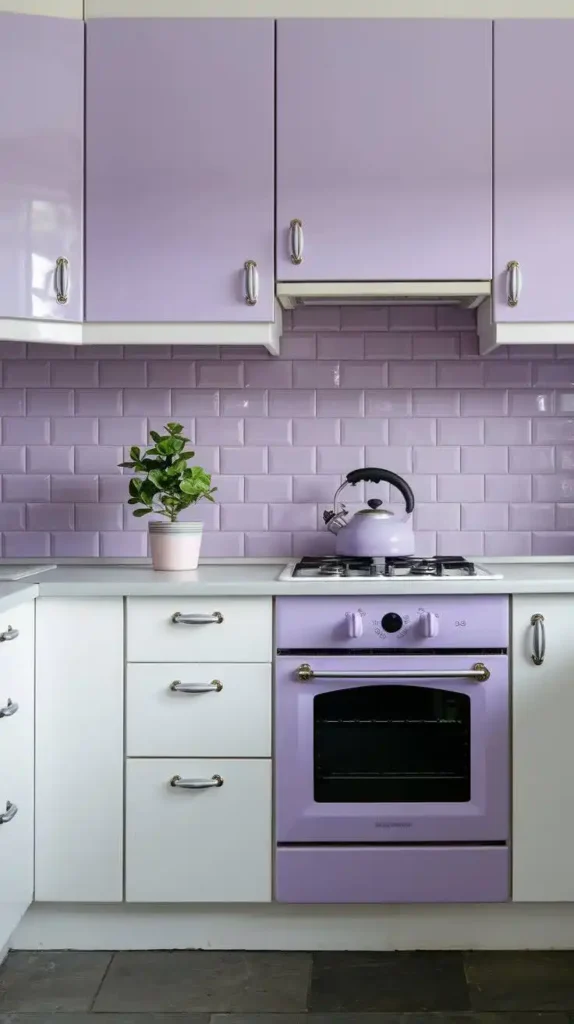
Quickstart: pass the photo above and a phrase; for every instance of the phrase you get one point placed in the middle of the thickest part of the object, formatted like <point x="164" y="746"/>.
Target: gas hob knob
<point x="429" y="624"/>
<point x="354" y="624"/>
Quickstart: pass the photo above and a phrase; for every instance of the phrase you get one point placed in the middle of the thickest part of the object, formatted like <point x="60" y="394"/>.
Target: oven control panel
<point x="459" y="622"/>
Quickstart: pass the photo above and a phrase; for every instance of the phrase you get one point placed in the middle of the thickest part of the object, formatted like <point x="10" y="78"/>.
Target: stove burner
<point x="437" y="565"/>
<point x="331" y="569"/>
<point x="351" y="567"/>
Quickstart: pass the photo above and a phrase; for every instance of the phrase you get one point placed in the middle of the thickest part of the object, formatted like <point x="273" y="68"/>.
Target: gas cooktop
<point x="437" y="567"/>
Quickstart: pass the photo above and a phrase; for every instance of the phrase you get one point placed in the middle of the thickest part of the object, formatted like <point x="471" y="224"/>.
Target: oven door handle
<point x="477" y="674"/>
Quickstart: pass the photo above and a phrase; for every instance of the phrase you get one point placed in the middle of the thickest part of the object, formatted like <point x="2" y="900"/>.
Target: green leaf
<point x="157" y="477"/>
<point x="135" y="453"/>
<point x="139" y="512"/>
<point x="166" y="446"/>
<point x="178" y="467"/>
<point x="154" y="434"/>
<point x="135" y="486"/>
<point x="126" y="465"/>
<point x="174" y="428"/>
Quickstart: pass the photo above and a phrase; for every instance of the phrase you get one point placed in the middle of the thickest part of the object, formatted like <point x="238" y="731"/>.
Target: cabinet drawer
<point x="198" y="845"/>
<point x="226" y="714"/>
<point x="221" y="629"/>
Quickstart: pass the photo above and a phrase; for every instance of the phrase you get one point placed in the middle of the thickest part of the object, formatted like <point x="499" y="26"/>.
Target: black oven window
<point x="391" y="744"/>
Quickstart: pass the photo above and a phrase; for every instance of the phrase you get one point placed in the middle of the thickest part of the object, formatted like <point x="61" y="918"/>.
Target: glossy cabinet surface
<point x="179" y="168"/>
<point x="16" y="768"/>
<point x="543" y="755"/>
<point x="534" y="167"/>
<point x="41" y="164"/>
<point x="384" y="148"/>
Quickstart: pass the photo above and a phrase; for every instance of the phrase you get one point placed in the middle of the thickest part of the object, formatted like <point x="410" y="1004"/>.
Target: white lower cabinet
<point x="204" y="845"/>
<point x="16" y="766"/>
<point x="79" y="749"/>
<point x="543" y="749"/>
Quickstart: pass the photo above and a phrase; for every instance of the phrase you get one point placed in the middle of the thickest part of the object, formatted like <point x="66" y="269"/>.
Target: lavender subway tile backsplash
<point x="486" y="443"/>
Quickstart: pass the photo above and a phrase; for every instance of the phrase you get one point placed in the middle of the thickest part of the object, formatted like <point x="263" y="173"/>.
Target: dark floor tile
<point x="43" y="982"/>
<point x="397" y="982"/>
<point x="205" y="981"/>
<point x="104" y="1018"/>
<point x="523" y="980"/>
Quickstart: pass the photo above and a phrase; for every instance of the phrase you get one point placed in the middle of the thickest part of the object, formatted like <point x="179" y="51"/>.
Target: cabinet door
<point x="543" y="752"/>
<point x="79" y="750"/>
<point x="16" y="768"/>
<point x="534" y="167"/>
<point x="41" y="166"/>
<point x="384" y="148"/>
<point x="197" y="845"/>
<point x="179" y="168"/>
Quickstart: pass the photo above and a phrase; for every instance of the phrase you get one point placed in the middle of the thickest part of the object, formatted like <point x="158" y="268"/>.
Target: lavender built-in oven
<point x="392" y="749"/>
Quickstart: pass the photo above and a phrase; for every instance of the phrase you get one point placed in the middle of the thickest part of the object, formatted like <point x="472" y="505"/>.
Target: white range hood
<point x="470" y="294"/>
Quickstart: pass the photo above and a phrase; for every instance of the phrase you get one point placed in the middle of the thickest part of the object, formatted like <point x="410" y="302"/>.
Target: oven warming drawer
<point x="392" y="874"/>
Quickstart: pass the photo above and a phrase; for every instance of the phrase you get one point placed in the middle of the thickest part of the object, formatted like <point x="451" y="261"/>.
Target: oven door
<point x="416" y="750"/>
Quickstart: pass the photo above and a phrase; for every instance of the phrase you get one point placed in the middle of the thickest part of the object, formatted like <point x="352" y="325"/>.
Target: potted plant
<point x="166" y="485"/>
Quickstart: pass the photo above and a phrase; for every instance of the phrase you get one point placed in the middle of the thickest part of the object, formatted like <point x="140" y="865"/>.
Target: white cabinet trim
<point x="52" y="332"/>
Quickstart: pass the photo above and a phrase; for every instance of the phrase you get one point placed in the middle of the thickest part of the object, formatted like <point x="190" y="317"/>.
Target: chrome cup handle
<point x="514" y="282"/>
<point x="9" y="634"/>
<point x="251" y="283"/>
<point x="9" y="709"/>
<point x="538" y="639"/>
<point x="62" y="280"/>
<point x="178" y="783"/>
<point x="215" y="686"/>
<point x="10" y="812"/>
<point x="296" y="241"/>
<point x="196" y="619"/>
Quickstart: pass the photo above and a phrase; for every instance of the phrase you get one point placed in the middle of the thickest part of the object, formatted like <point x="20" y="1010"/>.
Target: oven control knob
<point x="429" y="624"/>
<point x="391" y="622"/>
<point x="354" y="624"/>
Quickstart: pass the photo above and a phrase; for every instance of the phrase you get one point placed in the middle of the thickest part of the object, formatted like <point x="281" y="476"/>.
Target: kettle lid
<point x="375" y="509"/>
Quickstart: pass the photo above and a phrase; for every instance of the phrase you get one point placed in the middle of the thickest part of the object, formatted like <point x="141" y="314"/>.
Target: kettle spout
<point x="334" y="521"/>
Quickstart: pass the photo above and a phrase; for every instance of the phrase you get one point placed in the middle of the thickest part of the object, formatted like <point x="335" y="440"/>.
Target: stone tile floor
<point x="200" y="987"/>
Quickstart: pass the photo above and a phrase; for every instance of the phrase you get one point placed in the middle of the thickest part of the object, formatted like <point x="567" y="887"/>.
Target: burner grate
<point x="436" y="565"/>
<point x="350" y="567"/>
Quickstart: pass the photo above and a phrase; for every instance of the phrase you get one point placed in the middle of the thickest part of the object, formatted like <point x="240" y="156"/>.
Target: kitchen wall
<point x="487" y="444"/>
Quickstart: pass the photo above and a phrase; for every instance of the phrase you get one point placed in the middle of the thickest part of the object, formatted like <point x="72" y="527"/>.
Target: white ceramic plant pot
<point x="175" y="546"/>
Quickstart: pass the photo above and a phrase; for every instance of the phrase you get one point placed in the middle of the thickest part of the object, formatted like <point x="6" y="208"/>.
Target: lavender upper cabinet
<point x="179" y="169"/>
<point x="384" y="149"/>
<point x="41" y="166"/>
<point x="533" y="170"/>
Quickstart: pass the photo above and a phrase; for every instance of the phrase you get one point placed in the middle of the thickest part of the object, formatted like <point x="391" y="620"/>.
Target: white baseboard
<point x="508" y="926"/>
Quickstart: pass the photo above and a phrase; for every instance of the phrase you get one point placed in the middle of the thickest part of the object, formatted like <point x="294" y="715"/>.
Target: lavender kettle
<point x="373" y="531"/>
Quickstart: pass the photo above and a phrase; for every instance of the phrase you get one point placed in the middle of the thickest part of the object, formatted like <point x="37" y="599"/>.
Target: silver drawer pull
<point x="196" y="620"/>
<point x="296" y="241"/>
<point x="9" y="634"/>
<point x="251" y="283"/>
<point x="538" y="639"/>
<point x="478" y="673"/>
<point x="10" y="812"/>
<point x="9" y="709"/>
<point x="215" y="686"/>
<point x="178" y="783"/>
<point x="514" y="282"/>
<point x="62" y="286"/>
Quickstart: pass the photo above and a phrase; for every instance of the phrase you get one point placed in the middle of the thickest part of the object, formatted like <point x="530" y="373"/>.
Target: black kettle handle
<point x="377" y="476"/>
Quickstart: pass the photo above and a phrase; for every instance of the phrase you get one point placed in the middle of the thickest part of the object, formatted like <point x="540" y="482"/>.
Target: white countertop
<point x="528" y="576"/>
